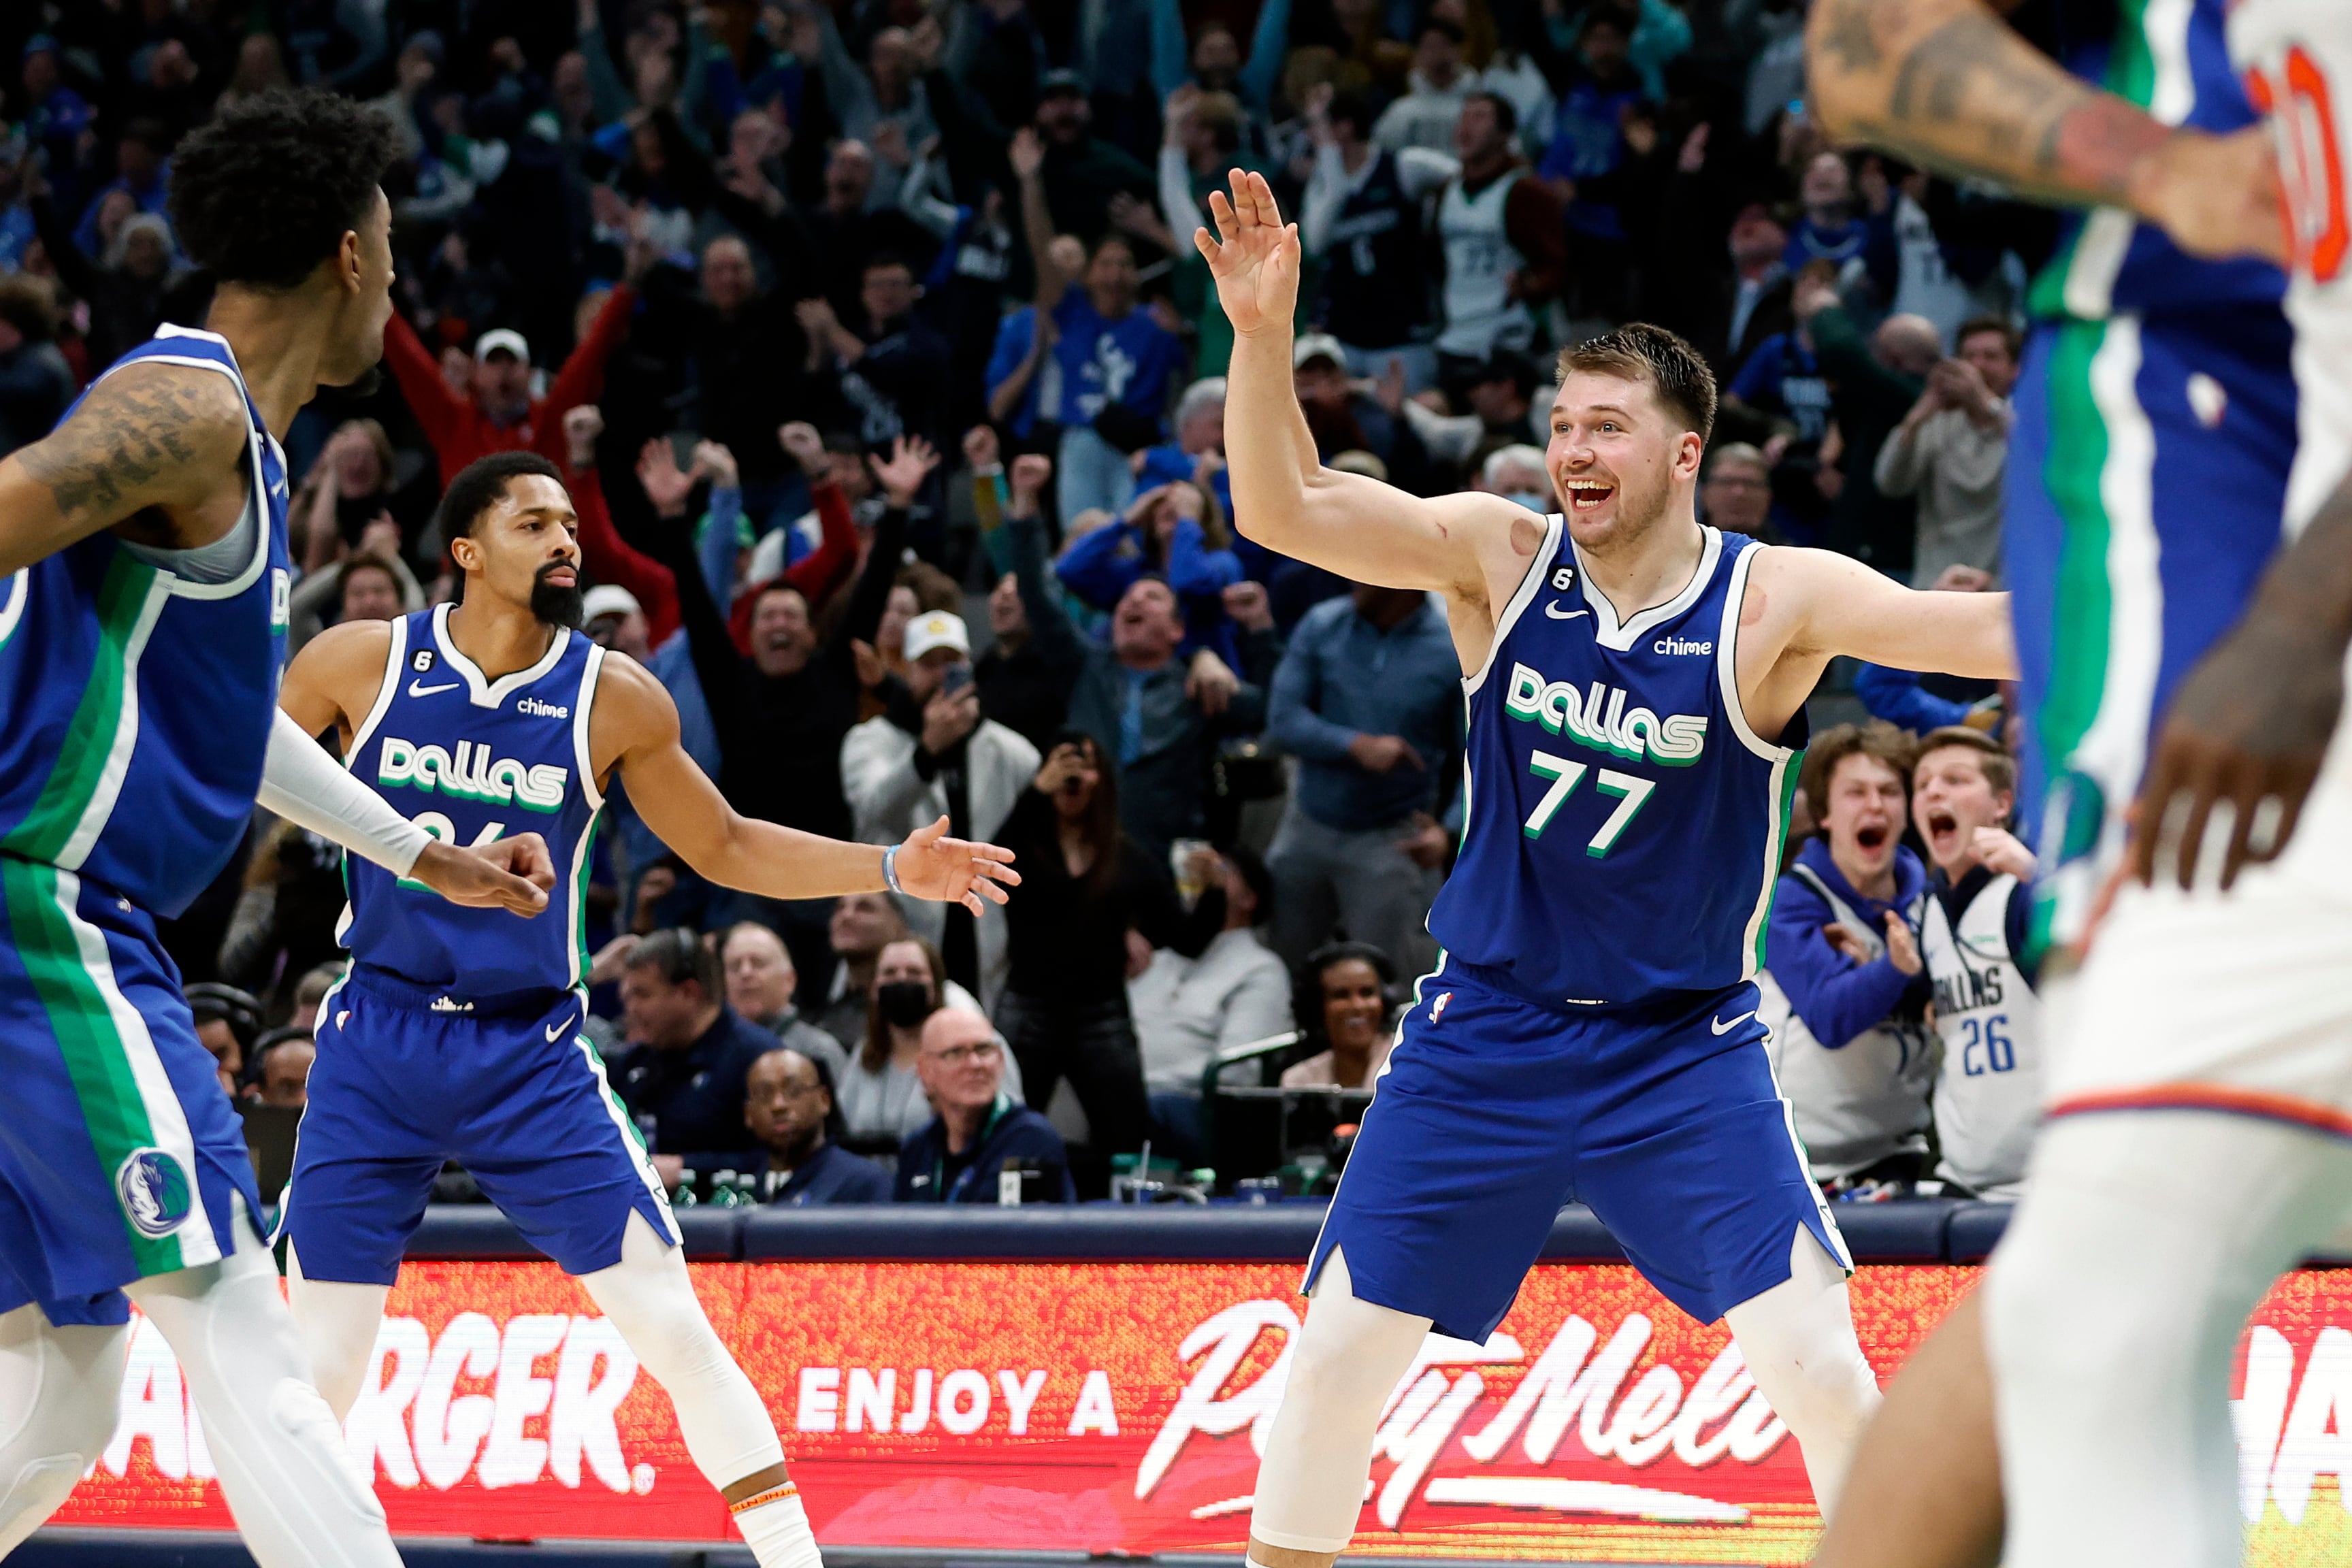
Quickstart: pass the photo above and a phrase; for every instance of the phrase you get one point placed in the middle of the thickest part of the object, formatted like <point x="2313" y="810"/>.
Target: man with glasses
<point x="961" y="1157"/>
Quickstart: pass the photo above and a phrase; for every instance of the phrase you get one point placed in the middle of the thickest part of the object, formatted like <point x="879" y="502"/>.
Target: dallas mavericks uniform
<point x="2156" y="424"/>
<point x="1480" y="314"/>
<point x="1989" y="1089"/>
<point x="137" y="688"/>
<point x="1371" y="296"/>
<point x="1591" y="1032"/>
<point x="1867" y="1099"/>
<point x="457" y="1032"/>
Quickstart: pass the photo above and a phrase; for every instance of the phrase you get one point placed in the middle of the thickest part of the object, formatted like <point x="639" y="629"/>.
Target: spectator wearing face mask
<point x="861" y="925"/>
<point x="1846" y="992"/>
<point x="882" y="1093"/>
<point x="1988" y="1097"/>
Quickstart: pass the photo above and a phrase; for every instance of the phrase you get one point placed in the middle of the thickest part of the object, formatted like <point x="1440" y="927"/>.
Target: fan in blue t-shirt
<point x="1115" y="365"/>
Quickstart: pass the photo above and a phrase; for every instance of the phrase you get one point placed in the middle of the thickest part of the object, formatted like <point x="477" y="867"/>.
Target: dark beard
<point x="555" y="606"/>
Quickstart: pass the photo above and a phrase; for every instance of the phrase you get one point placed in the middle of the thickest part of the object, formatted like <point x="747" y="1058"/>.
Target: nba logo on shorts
<point x="1437" y="1008"/>
<point x="154" y="1187"/>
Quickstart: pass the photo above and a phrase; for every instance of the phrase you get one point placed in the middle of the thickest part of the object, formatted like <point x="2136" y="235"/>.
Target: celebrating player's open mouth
<point x="1585" y="495"/>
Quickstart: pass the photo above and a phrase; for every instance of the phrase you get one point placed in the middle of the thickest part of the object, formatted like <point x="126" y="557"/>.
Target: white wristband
<point x="890" y="871"/>
<point x="301" y="783"/>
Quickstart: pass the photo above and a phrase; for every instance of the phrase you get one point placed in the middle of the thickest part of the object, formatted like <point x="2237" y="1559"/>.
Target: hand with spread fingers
<point x="954" y="870"/>
<point x="1254" y="256"/>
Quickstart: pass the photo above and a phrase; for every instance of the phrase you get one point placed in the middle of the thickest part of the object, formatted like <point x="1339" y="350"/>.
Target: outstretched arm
<point x="1283" y="496"/>
<point x="634" y="734"/>
<point x="1949" y="84"/>
<point x="1804" y="607"/>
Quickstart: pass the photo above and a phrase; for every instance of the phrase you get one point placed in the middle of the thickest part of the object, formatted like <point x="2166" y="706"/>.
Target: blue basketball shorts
<point x="1494" y="1113"/>
<point x="2145" y="492"/>
<point x="120" y="1156"/>
<point x="518" y="1097"/>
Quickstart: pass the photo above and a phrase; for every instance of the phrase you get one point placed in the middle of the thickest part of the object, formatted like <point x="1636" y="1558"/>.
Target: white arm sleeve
<point x="303" y="784"/>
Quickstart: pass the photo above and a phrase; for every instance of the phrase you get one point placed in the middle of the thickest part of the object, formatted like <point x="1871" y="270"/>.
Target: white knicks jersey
<point x="2296" y="57"/>
<point x="1988" y="1097"/>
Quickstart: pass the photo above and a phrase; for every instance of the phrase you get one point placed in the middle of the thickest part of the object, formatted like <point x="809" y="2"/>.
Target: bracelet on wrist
<point x="890" y="871"/>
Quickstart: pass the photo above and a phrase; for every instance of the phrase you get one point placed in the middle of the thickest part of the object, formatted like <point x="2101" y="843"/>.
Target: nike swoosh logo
<point x="1557" y="614"/>
<point x="1722" y="1027"/>
<point x="557" y="1031"/>
<point x="418" y="689"/>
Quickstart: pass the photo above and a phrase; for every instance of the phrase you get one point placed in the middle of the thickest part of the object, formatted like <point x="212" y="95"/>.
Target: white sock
<point x="776" y="1527"/>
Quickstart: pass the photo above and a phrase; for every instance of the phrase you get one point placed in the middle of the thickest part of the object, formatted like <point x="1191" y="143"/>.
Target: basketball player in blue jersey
<point x="141" y="631"/>
<point x="1636" y="686"/>
<point x="2174" y="650"/>
<point x="457" y="1032"/>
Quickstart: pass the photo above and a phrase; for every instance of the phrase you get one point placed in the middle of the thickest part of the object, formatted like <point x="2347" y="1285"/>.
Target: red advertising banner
<point x="1120" y="1406"/>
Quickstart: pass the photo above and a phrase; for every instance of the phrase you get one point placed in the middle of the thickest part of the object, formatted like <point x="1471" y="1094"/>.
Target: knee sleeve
<point x="1344" y="1365"/>
<point x="338" y="1323"/>
<point x="60" y="1389"/>
<point x="1798" y="1341"/>
<point x="649" y="1298"/>
<point x="274" y="1442"/>
<point x="2112" y="1313"/>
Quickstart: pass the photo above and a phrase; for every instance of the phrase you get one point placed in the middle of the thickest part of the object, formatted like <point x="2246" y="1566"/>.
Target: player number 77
<point x="1630" y="791"/>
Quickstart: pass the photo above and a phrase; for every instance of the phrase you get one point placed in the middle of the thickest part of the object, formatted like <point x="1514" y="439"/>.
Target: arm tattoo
<point x="101" y="462"/>
<point x="1969" y="97"/>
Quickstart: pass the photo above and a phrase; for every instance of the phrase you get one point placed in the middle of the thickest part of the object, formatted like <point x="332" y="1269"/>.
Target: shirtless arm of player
<point x="1474" y="548"/>
<point x="157" y="451"/>
<point x="1804" y="607"/>
<point x="333" y="680"/>
<point x="633" y="735"/>
<point x="1947" y="84"/>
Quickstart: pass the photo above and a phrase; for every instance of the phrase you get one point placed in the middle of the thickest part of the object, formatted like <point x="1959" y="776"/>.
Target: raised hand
<point x="980" y="448"/>
<point x="667" y="485"/>
<point x="911" y="461"/>
<point x="1253" y="257"/>
<point x="803" y="446"/>
<point x="1030" y="472"/>
<point x="715" y="462"/>
<point x="953" y="870"/>
<point x="1027" y="153"/>
<point x="582" y="425"/>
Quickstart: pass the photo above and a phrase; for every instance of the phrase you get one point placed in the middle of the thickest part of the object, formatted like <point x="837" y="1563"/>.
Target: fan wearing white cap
<point x="931" y="754"/>
<point x="492" y="407"/>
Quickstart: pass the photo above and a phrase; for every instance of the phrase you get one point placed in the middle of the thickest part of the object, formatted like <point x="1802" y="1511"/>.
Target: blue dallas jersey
<point x="1623" y="823"/>
<point x="2170" y="57"/>
<point x="470" y="760"/>
<point x="135" y="704"/>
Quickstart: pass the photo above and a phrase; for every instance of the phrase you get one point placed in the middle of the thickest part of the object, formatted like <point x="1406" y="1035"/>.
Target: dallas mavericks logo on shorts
<point x="155" y="1190"/>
